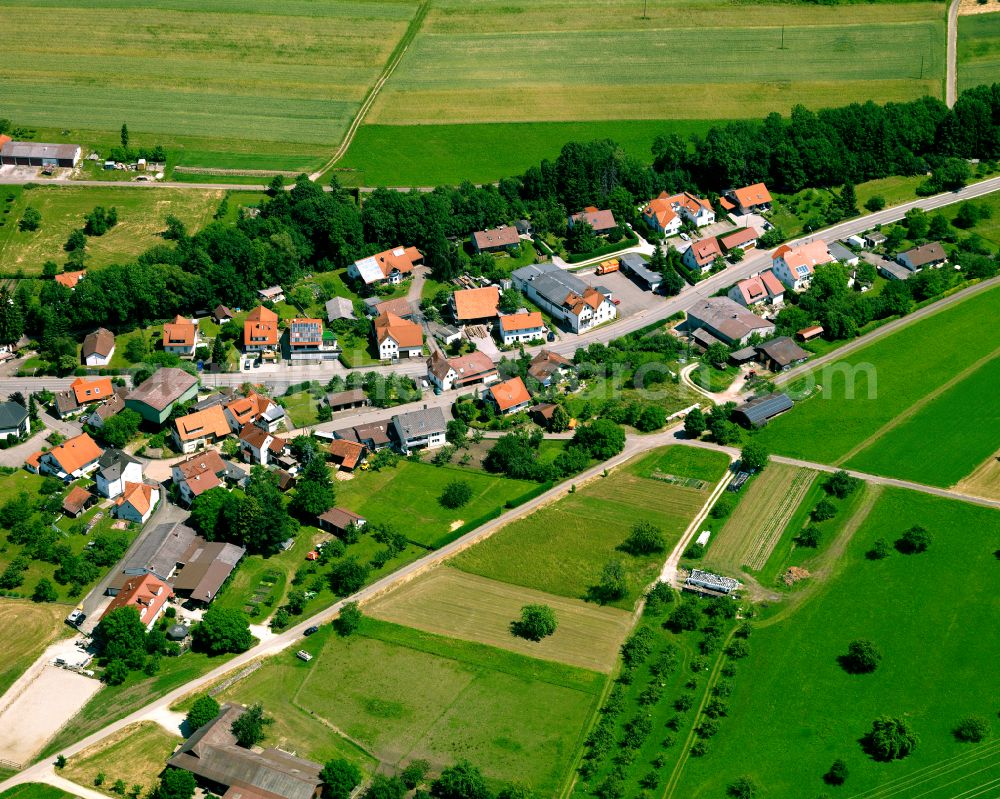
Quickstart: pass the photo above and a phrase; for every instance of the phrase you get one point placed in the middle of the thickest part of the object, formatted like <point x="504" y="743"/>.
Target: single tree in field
<point x="536" y="622"/>
<point x="613" y="584"/>
<point x="916" y="539"/>
<point x="862" y="657"/>
<point x="743" y="788"/>
<point x="124" y="136"/>
<point x="249" y="728"/>
<point x="339" y="778"/>
<point x="349" y="619"/>
<point x="645" y="539"/>
<point x="204" y="709"/>
<point x="837" y="775"/>
<point x="456" y="494"/>
<point x="890" y="739"/>
<point x="972" y="729"/>
<point x="461" y="781"/>
<point x="880" y="549"/>
<point x="31" y="220"/>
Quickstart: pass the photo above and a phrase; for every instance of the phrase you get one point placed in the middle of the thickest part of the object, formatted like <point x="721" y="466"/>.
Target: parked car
<point x="76" y="618"/>
<point x="311" y="630"/>
<point x="685" y="237"/>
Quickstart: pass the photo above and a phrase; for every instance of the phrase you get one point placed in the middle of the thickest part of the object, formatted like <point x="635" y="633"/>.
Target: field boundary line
<point x="771" y="532"/>
<point x="917" y="406"/>
<point x="394" y="58"/>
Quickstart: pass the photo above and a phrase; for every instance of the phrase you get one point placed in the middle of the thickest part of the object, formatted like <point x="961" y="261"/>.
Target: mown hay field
<point x="461" y="605"/>
<point x="224" y="70"/>
<point x="26" y="628"/>
<point x="136" y="755"/>
<point x="978" y="50"/>
<point x="492" y="62"/>
<point x="750" y="534"/>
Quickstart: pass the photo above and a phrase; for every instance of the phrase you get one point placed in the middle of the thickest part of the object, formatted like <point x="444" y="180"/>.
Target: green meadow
<point x="978" y="50"/>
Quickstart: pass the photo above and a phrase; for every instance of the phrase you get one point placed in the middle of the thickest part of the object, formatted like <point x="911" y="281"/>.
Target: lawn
<point x="229" y="77"/>
<point x="926" y="613"/>
<point x="567" y="60"/>
<point x="26" y="629"/>
<point x="406" y="496"/>
<point x="562" y="548"/>
<point x="141" y="218"/>
<point x="989" y="229"/>
<point x="260" y="581"/>
<point x="889" y="376"/>
<point x="135" y="755"/>
<point x="449" y="602"/>
<point x="302" y="407"/>
<point x="35" y="790"/>
<point x="936" y="445"/>
<point x="978" y="50"/>
<point x="401" y="694"/>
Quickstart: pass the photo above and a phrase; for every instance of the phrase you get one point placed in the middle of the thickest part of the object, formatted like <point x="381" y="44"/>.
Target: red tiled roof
<point x="147" y="593"/>
<point x="91" y="390"/>
<point x="757" y="194"/>
<point x="179" y="333"/>
<point x="521" y="321"/>
<point x="261" y="327"/>
<point x="210" y="422"/>
<point x="76" y="453"/>
<point x="476" y="303"/>
<point x="70" y="279"/>
<point x="138" y="495"/>
<point x="347" y="453"/>
<point x="706" y="250"/>
<point x="510" y="393"/>
<point x="76" y="500"/>
<point x="403" y="332"/>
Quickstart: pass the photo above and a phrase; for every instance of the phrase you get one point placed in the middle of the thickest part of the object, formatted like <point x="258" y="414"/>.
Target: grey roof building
<point x="780" y="353"/>
<point x="727" y="320"/>
<point x="760" y="410"/>
<point x="112" y="463"/>
<point x="339" y="308"/>
<point x="423" y="429"/>
<point x="638" y="267"/>
<point x="13" y="419"/>
<point x="841" y="253"/>
<point x="549" y="281"/>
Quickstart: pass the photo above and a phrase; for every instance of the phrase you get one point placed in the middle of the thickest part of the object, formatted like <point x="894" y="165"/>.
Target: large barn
<point x="29" y="153"/>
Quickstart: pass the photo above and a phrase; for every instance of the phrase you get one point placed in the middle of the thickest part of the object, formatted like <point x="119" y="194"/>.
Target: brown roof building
<point x="98" y="347"/>
<point x="76" y="501"/>
<point x="207" y="566"/>
<point x="347" y="454"/>
<point x="496" y="239"/>
<point x="337" y="520"/>
<point x="476" y="305"/>
<point x="600" y="221"/>
<point x="147" y="593"/>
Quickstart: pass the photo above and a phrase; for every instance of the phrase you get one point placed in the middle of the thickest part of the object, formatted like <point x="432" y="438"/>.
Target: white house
<point x="521" y="327"/>
<point x="98" y="347"/>
<point x="762" y="288"/>
<point x="260" y="446"/>
<point x="565" y="296"/>
<point x="668" y="212"/>
<point x="466" y="370"/>
<point x="137" y="502"/>
<point x="794" y="266"/>
<point x="396" y="337"/>
<point x="14" y="420"/>
<point x="390" y="266"/>
<point x="180" y="337"/>
<point x="114" y="469"/>
<point x="701" y="255"/>
<point x="423" y="429"/>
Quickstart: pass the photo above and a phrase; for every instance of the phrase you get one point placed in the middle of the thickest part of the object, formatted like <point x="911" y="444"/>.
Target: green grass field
<point x="794" y="710"/>
<point x="136" y="755"/>
<point x="978" y="50"/>
<point x="400" y="694"/>
<point x="989" y="229"/>
<point x="244" y="76"/>
<point x="891" y="375"/>
<point x="561" y="548"/>
<point x="406" y="496"/>
<point x="141" y="218"/>
<point x="35" y="790"/>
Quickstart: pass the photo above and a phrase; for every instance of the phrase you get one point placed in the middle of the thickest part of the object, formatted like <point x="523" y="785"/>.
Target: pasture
<point x="406" y="496"/>
<point x="749" y="535"/>
<point x="136" y="755"/>
<point x="978" y="50"/>
<point x="864" y="392"/>
<point x="26" y="629"/>
<point x="937" y="445"/>
<point x="561" y="549"/>
<point x="460" y="605"/>
<point x="566" y="60"/>
<point x="401" y="694"/>
<point x="141" y="218"/>
<point x="35" y="790"/>
<point x="926" y="614"/>
<point x="244" y="76"/>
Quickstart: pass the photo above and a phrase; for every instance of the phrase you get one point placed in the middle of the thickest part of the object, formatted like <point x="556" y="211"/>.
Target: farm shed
<point x="760" y="410"/>
<point x="638" y="267"/>
<point x="780" y="353"/>
<point x="712" y="582"/>
<point x="29" y="153"/>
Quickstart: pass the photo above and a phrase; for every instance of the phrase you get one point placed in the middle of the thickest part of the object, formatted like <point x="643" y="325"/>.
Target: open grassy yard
<point x="978" y="50"/>
<point x="561" y="548"/>
<point x="460" y="605"/>
<point x="402" y="694"/>
<point x="141" y="218"/>
<point x="889" y="376"/>
<point x="566" y="60"/>
<point x="406" y="496"/>
<point x="303" y="407"/>
<point x="136" y="755"/>
<point x="938" y="445"/>
<point x="244" y="76"/>
<point x="989" y="229"/>
<point x="794" y="710"/>
<point x="26" y="629"/>
<point x="35" y="790"/>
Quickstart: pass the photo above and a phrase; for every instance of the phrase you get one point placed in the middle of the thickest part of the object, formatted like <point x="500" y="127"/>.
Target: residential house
<point x="764" y="288"/>
<point x="843" y="254"/>
<point x="115" y="468"/>
<point x="509" y="397"/>
<point x="64" y="403"/>
<point x="202" y="472"/>
<point x="98" y="347"/>
<point x="542" y="413"/>
<point x="14" y="420"/>
<point x="222" y="314"/>
<point x="565" y="296"/>
<point x="795" y="266"/>
<point x="696" y="210"/>
<point x="495" y="240"/>
<point x="416" y="430"/>
<point x="155" y="398"/>
<point x="347" y="455"/>
<point x="204" y="568"/>
<point x="254" y="408"/>
<point x="226" y="769"/>
<point x="466" y="370"/>
<point x="726" y="320"/>
<point x="743" y="239"/>
<point x="548" y="367"/>
<point x="399" y="306"/>
<point x="272" y="294"/>
<point x="660" y="215"/>
<point x="74" y="458"/>
<point x="77" y="501"/>
<point x="926" y="255"/>
<point x="701" y="255"/>
<point x="603" y="222"/>
<point x="521" y="327"/>
<point x="198" y="429"/>
<point x="374" y="435"/>
<point x="890" y="270"/>
<point x="259" y="446"/>
<point x="395" y="337"/>
<point x="137" y="502"/>
<point x="147" y="593"/>
<point x="70" y="279"/>
<point x="754" y="199"/>
<point x="637" y="267"/>
<point x="339" y="308"/>
<point x="760" y="410"/>
<point x="781" y="353"/>
<point x="260" y="330"/>
<point x="180" y="337"/>
<point x="390" y="266"/>
<point x="345" y="400"/>
<point x="338" y="520"/>
<point x="87" y="391"/>
<point x="308" y="342"/>
<point x="524" y="227"/>
<point x="475" y="306"/>
<point x="112" y="406"/>
<point x="33" y="462"/>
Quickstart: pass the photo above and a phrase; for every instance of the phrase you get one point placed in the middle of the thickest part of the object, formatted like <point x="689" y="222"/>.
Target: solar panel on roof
<point x="802" y="271"/>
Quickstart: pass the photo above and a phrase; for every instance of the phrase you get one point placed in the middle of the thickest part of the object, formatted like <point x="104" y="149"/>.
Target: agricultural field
<point x="889" y="376"/>
<point x="26" y="628"/>
<point x="220" y="82"/>
<point x="136" y="755"/>
<point x="808" y="711"/>
<point x="406" y="496"/>
<point x="748" y="537"/>
<point x="978" y="50"/>
<point x="459" y="605"/>
<point x="562" y="548"/>
<point x="141" y="218"/>
<point x="397" y="694"/>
